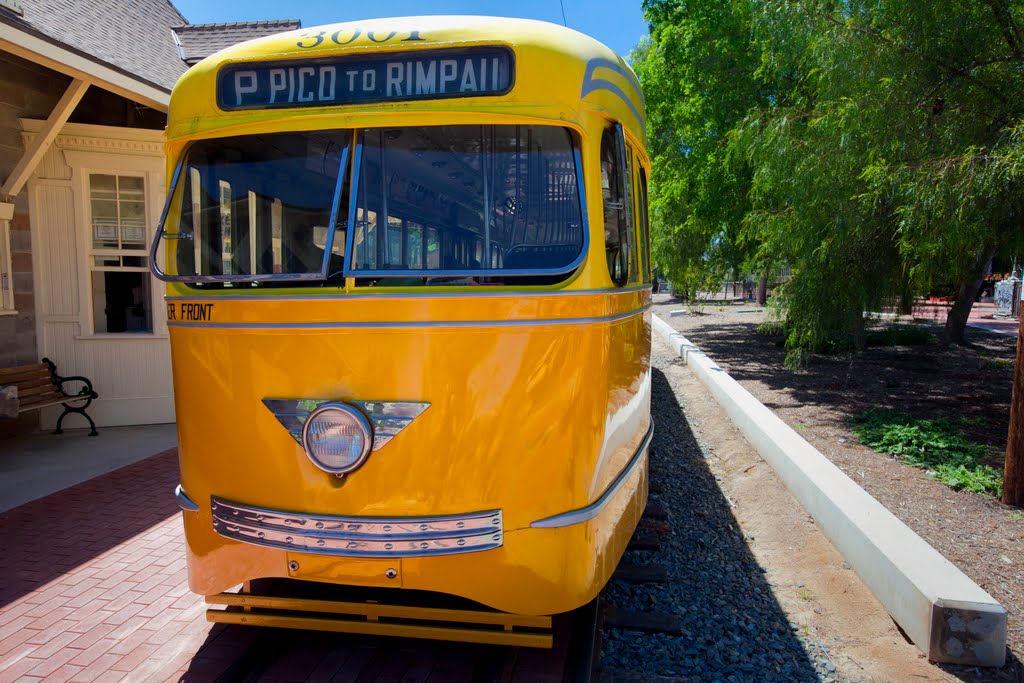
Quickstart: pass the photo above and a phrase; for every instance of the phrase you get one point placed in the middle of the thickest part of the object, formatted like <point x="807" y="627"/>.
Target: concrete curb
<point x="948" y="616"/>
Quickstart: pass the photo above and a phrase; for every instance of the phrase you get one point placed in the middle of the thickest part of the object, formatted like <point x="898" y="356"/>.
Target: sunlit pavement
<point x="93" y="585"/>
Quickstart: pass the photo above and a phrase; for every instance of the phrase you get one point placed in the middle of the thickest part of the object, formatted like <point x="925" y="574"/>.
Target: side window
<point x="644" y="223"/>
<point x="118" y="269"/>
<point x="618" y="233"/>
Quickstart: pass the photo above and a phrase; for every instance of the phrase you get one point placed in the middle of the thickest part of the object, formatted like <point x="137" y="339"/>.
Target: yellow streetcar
<point x="408" y="279"/>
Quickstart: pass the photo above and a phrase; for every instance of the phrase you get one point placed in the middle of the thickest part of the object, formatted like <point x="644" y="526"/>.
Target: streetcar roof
<point x="557" y="72"/>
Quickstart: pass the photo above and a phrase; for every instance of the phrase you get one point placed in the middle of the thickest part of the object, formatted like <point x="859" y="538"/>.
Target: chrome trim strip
<point x="412" y="323"/>
<point x="510" y="291"/>
<point x="594" y="509"/>
<point x="358" y="536"/>
<point x="184" y="502"/>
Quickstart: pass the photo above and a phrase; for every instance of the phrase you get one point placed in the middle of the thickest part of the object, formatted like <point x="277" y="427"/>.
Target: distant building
<point x="84" y="88"/>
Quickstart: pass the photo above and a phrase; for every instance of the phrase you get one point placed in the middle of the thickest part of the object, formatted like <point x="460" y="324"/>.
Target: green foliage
<point x="874" y="147"/>
<point x="899" y="335"/>
<point x="932" y="445"/>
<point x="697" y="74"/>
<point x="772" y="326"/>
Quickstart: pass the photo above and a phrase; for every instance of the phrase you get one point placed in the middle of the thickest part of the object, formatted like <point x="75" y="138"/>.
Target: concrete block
<point x="947" y="615"/>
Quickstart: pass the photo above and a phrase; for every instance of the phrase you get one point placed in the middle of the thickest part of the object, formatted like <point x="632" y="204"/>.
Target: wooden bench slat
<point x="14" y="378"/>
<point x="25" y="392"/>
<point x="23" y="368"/>
<point x="49" y="396"/>
<point x="24" y="385"/>
<point x="35" y="406"/>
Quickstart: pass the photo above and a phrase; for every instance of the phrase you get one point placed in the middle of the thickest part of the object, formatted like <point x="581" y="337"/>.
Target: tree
<point x="697" y="72"/>
<point x="874" y="147"/>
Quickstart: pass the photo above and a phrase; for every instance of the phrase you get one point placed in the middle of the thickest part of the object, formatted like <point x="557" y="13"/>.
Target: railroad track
<point x="653" y="529"/>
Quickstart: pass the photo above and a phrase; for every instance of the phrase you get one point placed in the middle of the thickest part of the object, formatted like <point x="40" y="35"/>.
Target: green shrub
<point x="932" y="445"/>
<point x="898" y="335"/>
<point x="772" y="327"/>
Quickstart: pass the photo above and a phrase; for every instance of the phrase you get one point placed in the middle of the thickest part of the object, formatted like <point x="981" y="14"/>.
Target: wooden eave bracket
<point x="34" y="153"/>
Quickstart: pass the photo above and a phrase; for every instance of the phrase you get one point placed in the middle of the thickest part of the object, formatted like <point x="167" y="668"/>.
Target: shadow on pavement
<point x="47" y="538"/>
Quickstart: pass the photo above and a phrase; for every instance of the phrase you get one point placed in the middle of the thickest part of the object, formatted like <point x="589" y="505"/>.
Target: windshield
<point x="255" y="206"/>
<point x="431" y="205"/>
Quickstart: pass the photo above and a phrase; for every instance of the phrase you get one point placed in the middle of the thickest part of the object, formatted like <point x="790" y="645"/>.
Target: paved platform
<point x="93" y="587"/>
<point x="92" y="582"/>
<point x="36" y="465"/>
<point x="982" y="316"/>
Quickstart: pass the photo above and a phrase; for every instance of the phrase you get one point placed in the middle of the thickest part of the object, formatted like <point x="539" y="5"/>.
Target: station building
<point x="84" y="89"/>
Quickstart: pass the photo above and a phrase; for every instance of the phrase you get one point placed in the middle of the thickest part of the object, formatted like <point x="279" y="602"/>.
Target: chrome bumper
<point x="358" y="536"/>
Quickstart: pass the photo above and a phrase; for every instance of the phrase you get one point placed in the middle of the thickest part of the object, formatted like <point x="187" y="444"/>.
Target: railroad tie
<point x="647" y="622"/>
<point x="641" y="573"/>
<point x="645" y="539"/>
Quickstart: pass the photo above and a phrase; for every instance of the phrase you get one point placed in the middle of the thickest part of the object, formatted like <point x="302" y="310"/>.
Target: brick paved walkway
<point x="92" y="582"/>
<point x="93" y="588"/>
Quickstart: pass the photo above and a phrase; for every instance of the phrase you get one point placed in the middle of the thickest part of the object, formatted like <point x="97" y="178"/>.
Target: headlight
<point x="337" y="437"/>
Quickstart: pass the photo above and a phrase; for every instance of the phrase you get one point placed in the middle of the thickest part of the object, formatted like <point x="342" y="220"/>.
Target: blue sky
<point x="619" y="24"/>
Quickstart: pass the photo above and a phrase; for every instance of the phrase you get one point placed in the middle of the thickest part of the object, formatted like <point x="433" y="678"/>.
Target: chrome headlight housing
<point x="337" y="437"/>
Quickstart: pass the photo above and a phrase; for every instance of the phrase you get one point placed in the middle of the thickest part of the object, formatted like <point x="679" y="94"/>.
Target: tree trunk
<point x="906" y="299"/>
<point x="966" y="293"/>
<point x="1013" y="468"/>
<point x="762" y="290"/>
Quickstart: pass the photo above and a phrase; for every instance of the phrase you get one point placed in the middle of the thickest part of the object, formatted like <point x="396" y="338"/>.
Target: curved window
<point x="616" y="196"/>
<point x="456" y="201"/>
<point x="258" y="207"/>
<point x="491" y="204"/>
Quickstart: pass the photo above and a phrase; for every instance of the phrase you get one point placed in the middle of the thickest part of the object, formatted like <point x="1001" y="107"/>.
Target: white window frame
<point x="84" y="164"/>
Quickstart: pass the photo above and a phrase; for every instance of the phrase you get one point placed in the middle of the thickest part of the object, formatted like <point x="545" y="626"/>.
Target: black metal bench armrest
<point x="85" y="392"/>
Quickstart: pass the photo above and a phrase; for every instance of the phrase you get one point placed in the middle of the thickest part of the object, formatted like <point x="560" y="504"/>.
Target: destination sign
<point x="394" y="77"/>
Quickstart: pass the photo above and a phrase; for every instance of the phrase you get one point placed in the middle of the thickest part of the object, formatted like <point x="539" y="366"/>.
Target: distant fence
<point x="740" y="289"/>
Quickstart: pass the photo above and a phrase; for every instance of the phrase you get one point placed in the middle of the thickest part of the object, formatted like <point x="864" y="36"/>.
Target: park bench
<point x="39" y="386"/>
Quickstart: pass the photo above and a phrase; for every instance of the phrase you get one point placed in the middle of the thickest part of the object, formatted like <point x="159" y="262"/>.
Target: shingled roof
<point x="134" y="36"/>
<point x="147" y="40"/>
<point x="198" y="41"/>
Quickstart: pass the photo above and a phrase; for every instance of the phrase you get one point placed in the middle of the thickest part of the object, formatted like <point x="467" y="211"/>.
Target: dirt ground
<point x="982" y="537"/>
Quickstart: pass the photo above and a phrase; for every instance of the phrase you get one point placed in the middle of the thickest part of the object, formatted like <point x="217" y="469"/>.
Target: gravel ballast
<point x="733" y="628"/>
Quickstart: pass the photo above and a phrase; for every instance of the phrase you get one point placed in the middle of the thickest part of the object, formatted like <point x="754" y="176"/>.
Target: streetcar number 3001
<point x="345" y="36"/>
